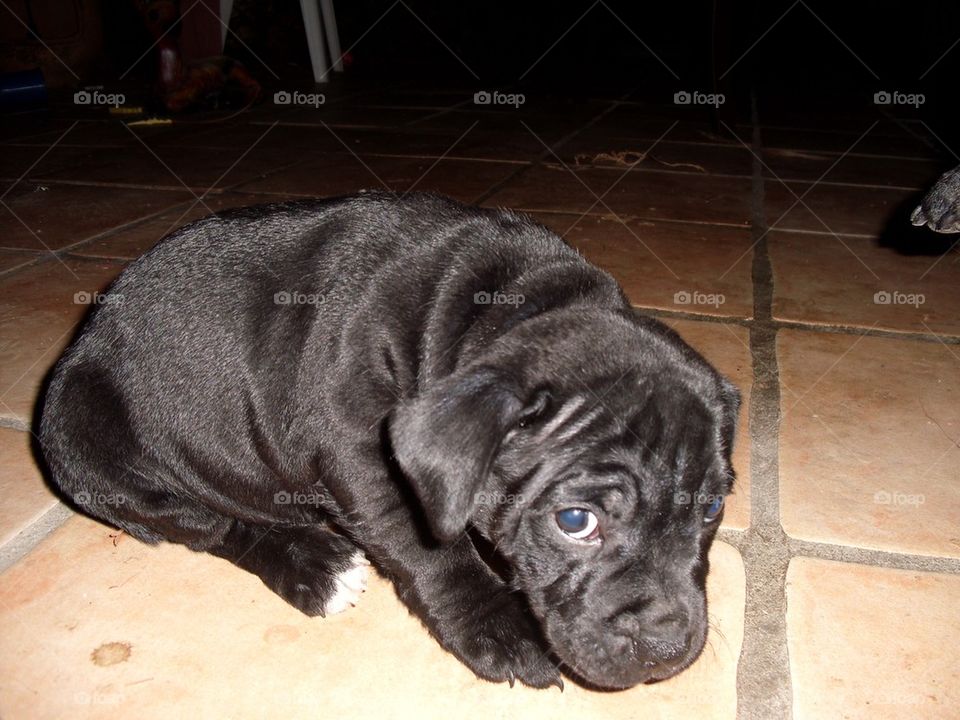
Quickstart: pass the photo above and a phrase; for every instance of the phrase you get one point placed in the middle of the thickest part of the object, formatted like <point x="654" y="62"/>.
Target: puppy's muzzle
<point x="657" y="642"/>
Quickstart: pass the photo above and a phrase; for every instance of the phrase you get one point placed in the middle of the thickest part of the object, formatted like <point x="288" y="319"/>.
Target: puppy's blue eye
<point x="714" y="508"/>
<point x="578" y="523"/>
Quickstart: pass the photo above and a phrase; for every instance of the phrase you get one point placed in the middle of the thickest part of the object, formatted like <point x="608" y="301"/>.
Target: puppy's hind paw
<point x="348" y="586"/>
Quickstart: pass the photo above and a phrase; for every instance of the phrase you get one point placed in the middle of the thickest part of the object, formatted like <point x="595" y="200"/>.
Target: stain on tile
<point x="110" y="653"/>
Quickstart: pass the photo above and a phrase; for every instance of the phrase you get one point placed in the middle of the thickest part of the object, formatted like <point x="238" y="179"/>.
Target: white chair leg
<point x="318" y="49"/>
<point x="333" y="37"/>
<point x="226" y="9"/>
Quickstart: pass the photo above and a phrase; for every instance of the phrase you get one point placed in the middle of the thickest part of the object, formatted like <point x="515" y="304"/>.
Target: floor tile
<point x="703" y="157"/>
<point x="651" y="195"/>
<point x="872" y="643"/>
<point x="264" y="134"/>
<point x="646" y="122"/>
<point x="869" y="437"/>
<point x="44" y="159"/>
<point x="132" y="242"/>
<point x="26" y="496"/>
<point x="99" y="134"/>
<point x="861" y="139"/>
<point x="854" y="281"/>
<point x="861" y="169"/>
<point x="480" y="139"/>
<point x="82" y="211"/>
<point x="727" y="347"/>
<point x="702" y="269"/>
<point x="172" y="167"/>
<point x="40" y="310"/>
<point x="833" y="209"/>
<point x="10" y="259"/>
<point x="340" y="175"/>
<point x="147" y="631"/>
<point x="347" y="114"/>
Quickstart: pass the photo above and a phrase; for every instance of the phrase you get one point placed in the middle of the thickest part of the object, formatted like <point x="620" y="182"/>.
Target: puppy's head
<point x="597" y="463"/>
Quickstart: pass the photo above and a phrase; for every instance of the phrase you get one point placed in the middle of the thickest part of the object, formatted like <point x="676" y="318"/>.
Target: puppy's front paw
<point x="316" y="571"/>
<point x="940" y="209"/>
<point x="505" y="645"/>
<point x="348" y="584"/>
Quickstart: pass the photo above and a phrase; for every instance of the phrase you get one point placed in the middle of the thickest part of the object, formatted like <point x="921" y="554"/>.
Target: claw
<point x="558" y="682"/>
<point x="512" y="679"/>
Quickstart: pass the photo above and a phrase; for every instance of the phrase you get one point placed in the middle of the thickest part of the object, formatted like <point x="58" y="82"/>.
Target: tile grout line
<point x="24" y="542"/>
<point x="764" y="689"/>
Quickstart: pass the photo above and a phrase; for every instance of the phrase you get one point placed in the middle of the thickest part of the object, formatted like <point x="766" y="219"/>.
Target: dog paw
<point x="348" y="585"/>
<point x="501" y="648"/>
<point x="316" y="571"/>
<point x="940" y="209"/>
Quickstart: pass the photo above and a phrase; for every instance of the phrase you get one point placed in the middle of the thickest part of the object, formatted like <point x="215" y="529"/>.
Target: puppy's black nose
<point x="659" y="636"/>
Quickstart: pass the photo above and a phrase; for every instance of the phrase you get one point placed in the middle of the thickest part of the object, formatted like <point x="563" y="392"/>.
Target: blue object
<point x="22" y="90"/>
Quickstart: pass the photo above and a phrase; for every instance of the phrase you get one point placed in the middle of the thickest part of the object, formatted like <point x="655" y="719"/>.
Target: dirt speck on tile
<point x="111" y="653"/>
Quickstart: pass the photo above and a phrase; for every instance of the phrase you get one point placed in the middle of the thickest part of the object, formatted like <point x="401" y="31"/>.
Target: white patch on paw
<point x="349" y="584"/>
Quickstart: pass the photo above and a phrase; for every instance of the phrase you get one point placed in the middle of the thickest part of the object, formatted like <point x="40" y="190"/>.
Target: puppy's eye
<point x="578" y="523"/>
<point x="713" y="509"/>
<point x="535" y="409"/>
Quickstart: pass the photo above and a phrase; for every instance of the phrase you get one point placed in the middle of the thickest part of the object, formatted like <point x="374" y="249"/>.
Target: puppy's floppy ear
<point x="446" y="438"/>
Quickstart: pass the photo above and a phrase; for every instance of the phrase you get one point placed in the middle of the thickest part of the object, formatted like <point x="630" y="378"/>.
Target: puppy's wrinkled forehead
<point x="658" y="433"/>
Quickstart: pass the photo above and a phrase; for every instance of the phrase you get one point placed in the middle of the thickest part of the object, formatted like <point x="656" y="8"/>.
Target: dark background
<point x="798" y="58"/>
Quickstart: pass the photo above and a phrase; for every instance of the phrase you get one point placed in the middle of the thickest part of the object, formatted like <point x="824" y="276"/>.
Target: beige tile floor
<point x="833" y="586"/>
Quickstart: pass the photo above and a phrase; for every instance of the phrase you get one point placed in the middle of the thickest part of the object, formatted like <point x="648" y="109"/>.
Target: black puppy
<point x="290" y="386"/>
